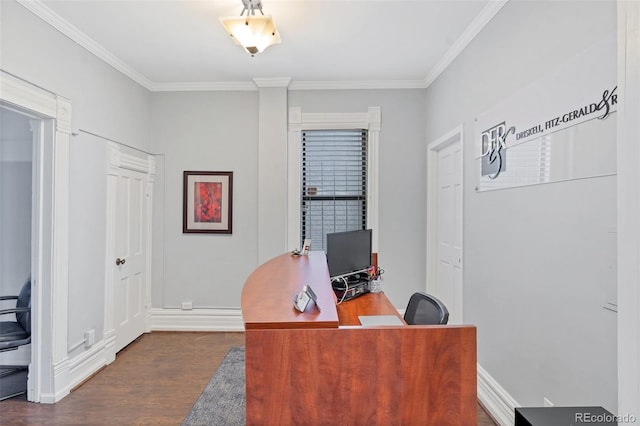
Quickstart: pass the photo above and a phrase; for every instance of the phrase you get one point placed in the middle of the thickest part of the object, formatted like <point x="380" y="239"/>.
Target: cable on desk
<point x="346" y="288"/>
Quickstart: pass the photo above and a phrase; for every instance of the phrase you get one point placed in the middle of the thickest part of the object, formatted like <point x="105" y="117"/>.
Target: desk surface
<point x="267" y="295"/>
<point x="367" y="304"/>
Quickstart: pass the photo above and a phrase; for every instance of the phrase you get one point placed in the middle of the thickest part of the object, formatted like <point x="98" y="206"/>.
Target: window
<point x="333" y="183"/>
<point x="312" y="125"/>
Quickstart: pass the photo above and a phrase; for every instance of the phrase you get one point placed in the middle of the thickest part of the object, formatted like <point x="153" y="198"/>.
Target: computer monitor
<point x="348" y="252"/>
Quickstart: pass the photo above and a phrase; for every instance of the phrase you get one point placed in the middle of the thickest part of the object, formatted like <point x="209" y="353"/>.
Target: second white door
<point x="133" y="192"/>
<point x="445" y="227"/>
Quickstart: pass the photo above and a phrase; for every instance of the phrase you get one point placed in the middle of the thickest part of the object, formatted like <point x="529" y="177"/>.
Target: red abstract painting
<point x="207" y="202"/>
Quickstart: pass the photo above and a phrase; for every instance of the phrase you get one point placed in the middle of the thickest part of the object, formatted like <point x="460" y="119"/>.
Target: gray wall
<point x="208" y="131"/>
<point x="15" y="202"/>
<point x="402" y="196"/>
<point x="537" y="259"/>
<point x="219" y="131"/>
<point x="105" y="102"/>
<point x="87" y="240"/>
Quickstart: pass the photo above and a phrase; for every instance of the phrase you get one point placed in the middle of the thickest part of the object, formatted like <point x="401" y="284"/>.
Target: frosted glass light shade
<point x="253" y="33"/>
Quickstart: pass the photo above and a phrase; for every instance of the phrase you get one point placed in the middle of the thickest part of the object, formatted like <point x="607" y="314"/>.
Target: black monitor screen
<point x="348" y="251"/>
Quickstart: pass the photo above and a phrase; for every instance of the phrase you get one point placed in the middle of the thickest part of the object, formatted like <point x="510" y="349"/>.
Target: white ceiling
<point x="173" y="44"/>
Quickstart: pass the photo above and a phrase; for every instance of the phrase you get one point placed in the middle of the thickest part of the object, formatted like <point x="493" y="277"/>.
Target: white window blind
<point x="334" y="183"/>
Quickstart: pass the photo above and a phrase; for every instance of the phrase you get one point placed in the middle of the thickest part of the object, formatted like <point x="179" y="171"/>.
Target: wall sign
<point x="555" y="129"/>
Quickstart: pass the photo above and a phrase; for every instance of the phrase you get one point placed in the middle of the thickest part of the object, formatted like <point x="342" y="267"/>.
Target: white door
<point x="132" y="218"/>
<point x="445" y="223"/>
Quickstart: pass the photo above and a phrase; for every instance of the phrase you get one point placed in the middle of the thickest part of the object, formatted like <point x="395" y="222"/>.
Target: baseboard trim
<point x="61" y="375"/>
<point x="87" y="364"/>
<point x="495" y="399"/>
<point x="196" y="320"/>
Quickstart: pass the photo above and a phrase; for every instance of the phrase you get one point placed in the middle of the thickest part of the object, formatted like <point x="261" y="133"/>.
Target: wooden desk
<point x="303" y="368"/>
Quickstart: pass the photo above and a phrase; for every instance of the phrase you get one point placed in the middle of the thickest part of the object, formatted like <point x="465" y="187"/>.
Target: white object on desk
<point x="374" y="320"/>
<point x="302" y="299"/>
<point x="306" y="247"/>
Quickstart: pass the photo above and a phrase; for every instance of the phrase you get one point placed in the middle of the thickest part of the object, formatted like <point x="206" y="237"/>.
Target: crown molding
<point x="357" y="85"/>
<point x="204" y="86"/>
<point x="489" y="11"/>
<point x="285" y="82"/>
<point x="49" y="16"/>
<point x="272" y="82"/>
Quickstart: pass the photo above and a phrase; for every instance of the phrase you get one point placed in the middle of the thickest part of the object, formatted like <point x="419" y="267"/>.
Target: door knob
<point x="120" y="261"/>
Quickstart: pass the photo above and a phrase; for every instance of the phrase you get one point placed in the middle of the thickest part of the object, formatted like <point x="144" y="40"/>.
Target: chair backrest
<point x="424" y="309"/>
<point x="24" y="301"/>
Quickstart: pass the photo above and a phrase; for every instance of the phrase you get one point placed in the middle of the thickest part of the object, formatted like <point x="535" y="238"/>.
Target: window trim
<point x="298" y="121"/>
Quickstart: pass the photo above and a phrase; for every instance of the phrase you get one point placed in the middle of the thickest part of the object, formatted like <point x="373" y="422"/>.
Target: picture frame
<point x="207" y="202"/>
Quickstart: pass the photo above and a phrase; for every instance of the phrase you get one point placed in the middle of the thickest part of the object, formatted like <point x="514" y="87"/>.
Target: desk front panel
<point x="375" y="375"/>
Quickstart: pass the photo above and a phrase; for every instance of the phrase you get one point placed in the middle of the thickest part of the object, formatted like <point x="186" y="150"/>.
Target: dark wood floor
<point x="153" y="381"/>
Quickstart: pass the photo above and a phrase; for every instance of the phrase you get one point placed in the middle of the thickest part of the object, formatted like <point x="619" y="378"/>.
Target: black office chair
<point x="424" y="309"/>
<point x="13" y="335"/>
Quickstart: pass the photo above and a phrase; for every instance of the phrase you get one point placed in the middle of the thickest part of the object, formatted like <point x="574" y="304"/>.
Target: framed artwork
<point x="207" y="202"/>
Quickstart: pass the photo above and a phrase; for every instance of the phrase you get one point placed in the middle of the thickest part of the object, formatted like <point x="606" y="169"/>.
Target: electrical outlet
<point x="89" y="338"/>
<point x="187" y="306"/>
<point x="547" y="403"/>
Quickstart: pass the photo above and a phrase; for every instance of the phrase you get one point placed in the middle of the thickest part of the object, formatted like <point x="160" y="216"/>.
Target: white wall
<point x="628" y="209"/>
<point x="105" y="103"/>
<point x="87" y="216"/>
<point x="537" y="259"/>
<point x="15" y="201"/>
<point x="272" y="172"/>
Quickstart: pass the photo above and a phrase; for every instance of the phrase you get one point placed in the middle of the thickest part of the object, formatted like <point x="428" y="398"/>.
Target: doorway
<point x="16" y="223"/>
<point x="444" y="221"/>
<point x="16" y="168"/>
<point x="50" y="121"/>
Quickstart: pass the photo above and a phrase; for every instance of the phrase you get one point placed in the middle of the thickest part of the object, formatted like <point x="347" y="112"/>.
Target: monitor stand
<point x="348" y="286"/>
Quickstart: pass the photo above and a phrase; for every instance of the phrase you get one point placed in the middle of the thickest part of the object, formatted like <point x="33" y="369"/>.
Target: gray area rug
<point x="222" y="403"/>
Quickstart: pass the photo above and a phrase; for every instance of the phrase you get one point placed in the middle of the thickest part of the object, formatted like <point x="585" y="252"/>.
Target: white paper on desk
<point x="373" y="320"/>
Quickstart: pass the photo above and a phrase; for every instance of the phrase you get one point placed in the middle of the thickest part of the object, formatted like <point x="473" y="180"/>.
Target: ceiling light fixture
<point x="253" y="33"/>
